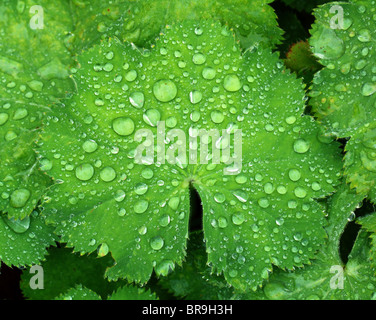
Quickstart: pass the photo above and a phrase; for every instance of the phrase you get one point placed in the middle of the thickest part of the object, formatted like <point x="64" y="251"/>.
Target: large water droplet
<point x="123" y="126"/>
<point x="84" y="172"/>
<point x="108" y="174"/>
<point x="141" y="206"/>
<point x="208" y="73"/>
<point x="19" y="197"/>
<point x="199" y="58"/>
<point x="301" y="146"/>
<point x="232" y="83"/>
<point x="195" y="96"/>
<point x="3" y="118"/>
<point x="328" y="45"/>
<point x="294" y="174"/>
<point x="141" y="188"/>
<point x="217" y="116"/>
<point x="368" y="89"/>
<point x="165" y="90"/>
<point x="18" y="226"/>
<point x="137" y="99"/>
<point x="103" y="250"/>
<point x="90" y="146"/>
<point x="151" y="117"/>
<point x="147" y="173"/>
<point x="157" y="243"/>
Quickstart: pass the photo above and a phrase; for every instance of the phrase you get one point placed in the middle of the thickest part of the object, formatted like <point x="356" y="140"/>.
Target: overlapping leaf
<point x="141" y="21"/>
<point x="24" y="242"/>
<point x="195" y="78"/>
<point x="343" y="94"/>
<point x="33" y="77"/>
<point x="328" y="277"/>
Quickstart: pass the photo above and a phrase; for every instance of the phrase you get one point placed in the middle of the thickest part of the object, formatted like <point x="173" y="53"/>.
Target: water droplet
<point x="268" y="188"/>
<point x="142" y="230"/>
<point x="165" y="267"/>
<point x="120" y="195"/>
<point x="103" y="250"/>
<point x="198" y="31"/>
<point x="195" y="96"/>
<point x="237" y="218"/>
<point x="131" y="75"/>
<point x="164" y="221"/>
<point x="107" y="174"/>
<point x="18" y="226"/>
<point x="84" y="172"/>
<point x="165" y="90"/>
<point x="141" y="188"/>
<point x="301" y="146"/>
<point x="108" y="67"/>
<point x="263" y="203"/>
<point x="141" y="206"/>
<point x="294" y="174"/>
<point x="208" y="73"/>
<point x="173" y="203"/>
<point x="123" y="126"/>
<point x="222" y="222"/>
<point x="157" y="243"/>
<point x="368" y="89"/>
<point x="232" y="83"/>
<point x="20" y="113"/>
<point x="137" y="99"/>
<point x="328" y="45"/>
<point x="147" y="173"/>
<point x="217" y="116"/>
<point x="90" y="146"/>
<point x="199" y="59"/>
<point x="219" y="197"/>
<point x="152" y="117"/>
<point x="364" y="35"/>
<point x="195" y="116"/>
<point x="3" y="118"/>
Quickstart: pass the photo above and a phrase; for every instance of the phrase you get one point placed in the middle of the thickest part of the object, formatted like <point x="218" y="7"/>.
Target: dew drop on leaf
<point x="232" y="83"/>
<point x="107" y="174"/>
<point x="84" y="172"/>
<point x="19" y="197"/>
<point x="123" y="126"/>
<point x="157" y="243"/>
<point x="301" y="146"/>
<point x="165" y="90"/>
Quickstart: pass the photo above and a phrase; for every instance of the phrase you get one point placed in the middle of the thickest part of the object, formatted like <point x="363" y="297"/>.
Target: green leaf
<point x="64" y="269"/>
<point x="343" y="93"/>
<point x="301" y="61"/>
<point x="140" y="22"/>
<point x="139" y="210"/>
<point x="369" y="224"/>
<point x="33" y="77"/>
<point x="79" y="293"/>
<point x="24" y="242"/>
<point x="130" y="292"/>
<point x="328" y="277"/>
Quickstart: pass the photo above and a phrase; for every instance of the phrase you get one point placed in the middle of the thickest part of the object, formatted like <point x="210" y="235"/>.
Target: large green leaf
<point x="33" y="77"/>
<point x="256" y="215"/>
